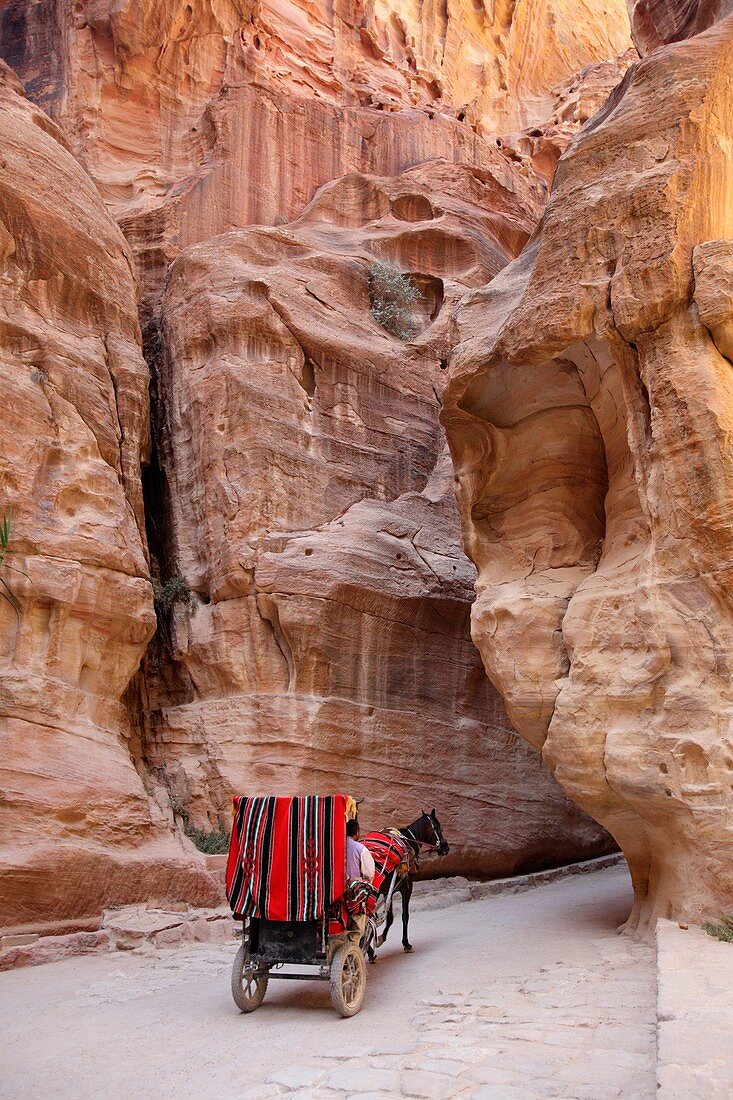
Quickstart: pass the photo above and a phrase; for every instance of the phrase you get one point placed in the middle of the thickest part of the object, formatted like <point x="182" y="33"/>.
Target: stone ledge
<point x="137" y="927"/>
<point x="134" y="926"/>
<point x="694" y="1014"/>
<point x="441" y="893"/>
<point x="130" y="928"/>
<point x="45" y="949"/>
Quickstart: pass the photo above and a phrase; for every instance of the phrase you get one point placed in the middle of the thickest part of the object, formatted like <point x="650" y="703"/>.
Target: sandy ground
<point x="516" y="996"/>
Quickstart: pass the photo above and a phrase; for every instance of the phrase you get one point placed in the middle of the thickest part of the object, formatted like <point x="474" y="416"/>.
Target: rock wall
<point x="312" y="515"/>
<point x="77" y="826"/>
<point x="589" y="415"/>
<point x="195" y="117"/>
<point x="298" y="479"/>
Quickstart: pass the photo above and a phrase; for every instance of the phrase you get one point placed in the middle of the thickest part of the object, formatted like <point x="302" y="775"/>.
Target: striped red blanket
<point x="388" y="850"/>
<point x="287" y="856"/>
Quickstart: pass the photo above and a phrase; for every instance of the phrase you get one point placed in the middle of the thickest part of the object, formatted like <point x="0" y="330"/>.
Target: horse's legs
<point x="390" y="913"/>
<point x="406" y="891"/>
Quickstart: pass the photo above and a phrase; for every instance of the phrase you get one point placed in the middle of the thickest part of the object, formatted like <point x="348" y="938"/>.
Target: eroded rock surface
<point x="589" y="414"/>
<point x="198" y="117"/>
<point x="312" y="515"/>
<point x="303" y="490"/>
<point x="78" y="829"/>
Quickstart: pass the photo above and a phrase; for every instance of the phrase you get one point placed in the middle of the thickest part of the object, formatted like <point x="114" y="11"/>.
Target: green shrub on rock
<point x="175" y="590"/>
<point x="392" y="297"/>
<point x="722" y="931"/>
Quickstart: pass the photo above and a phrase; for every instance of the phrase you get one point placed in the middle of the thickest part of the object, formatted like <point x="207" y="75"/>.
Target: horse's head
<point x="433" y="834"/>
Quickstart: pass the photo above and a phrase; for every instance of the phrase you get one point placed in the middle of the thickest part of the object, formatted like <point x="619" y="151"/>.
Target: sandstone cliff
<point x="298" y="480"/>
<point x="312" y="515"/>
<point x="198" y="117"/>
<point x="589" y="414"/>
<point x="77" y="826"/>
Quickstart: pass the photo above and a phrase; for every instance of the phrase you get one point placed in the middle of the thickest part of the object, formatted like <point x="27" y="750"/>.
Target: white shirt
<point x="359" y="860"/>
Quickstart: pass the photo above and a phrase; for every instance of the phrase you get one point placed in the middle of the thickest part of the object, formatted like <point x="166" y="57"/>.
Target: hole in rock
<point x="308" y="551"/>
<point x="71" y="816"/>
<point x="352" y="201"/>
<point x="543" y="496"/>
<point x="430" y="304"/>
<point x="88" y="679"/>
<point x="694" y="763"/>
<point x="308" y="377"/>
<point x="412" y="208"/>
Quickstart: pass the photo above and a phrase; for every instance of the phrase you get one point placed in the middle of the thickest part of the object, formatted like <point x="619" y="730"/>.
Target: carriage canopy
<point x="287" y="856"/>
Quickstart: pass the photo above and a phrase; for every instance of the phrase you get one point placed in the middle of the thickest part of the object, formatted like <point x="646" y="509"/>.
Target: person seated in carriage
<point x="360" y="870"/>
<point x="359" y="860"/>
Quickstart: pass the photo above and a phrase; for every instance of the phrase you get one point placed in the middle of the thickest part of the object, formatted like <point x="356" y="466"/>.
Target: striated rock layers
<point x="311" y="512"/>
<point x="590" y="418"/>
<point x="298" y="480"/>
<point x="195" y="117"/>
<point x="77" y="827"/>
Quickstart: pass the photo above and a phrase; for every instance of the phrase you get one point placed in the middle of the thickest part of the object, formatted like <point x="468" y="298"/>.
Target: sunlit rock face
<point x="589" y="414"/>
<point x="77" y="828"/>
<point x="195" y="117"/>
<point x="657" y="23"/>
<point x="312" y="514"/>
<point x="348" y="664"/>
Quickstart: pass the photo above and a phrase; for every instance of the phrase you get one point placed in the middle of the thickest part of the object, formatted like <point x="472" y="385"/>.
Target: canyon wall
<point x="195" y="117"/>
<point x="589" y="414"/>
<point x="297" y="477"/>
<point x="77" y="826"/>
<point x="326" y="644"/>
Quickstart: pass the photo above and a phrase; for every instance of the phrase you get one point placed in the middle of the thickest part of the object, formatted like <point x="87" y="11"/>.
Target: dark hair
<point x="352" y="826"/>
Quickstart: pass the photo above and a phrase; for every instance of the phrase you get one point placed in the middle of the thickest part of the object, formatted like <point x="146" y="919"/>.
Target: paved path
<point x="522" y="996"/>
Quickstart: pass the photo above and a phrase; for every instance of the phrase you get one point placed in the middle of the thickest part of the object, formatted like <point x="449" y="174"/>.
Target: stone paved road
<point x="520" y="996"/>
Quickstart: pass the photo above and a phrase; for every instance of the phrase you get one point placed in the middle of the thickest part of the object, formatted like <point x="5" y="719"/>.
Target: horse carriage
<point x="286" y="882"/>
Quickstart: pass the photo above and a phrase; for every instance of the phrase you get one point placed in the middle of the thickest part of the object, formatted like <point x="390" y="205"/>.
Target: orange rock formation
<point x="298" y="480"/>
<point x="78" y="827"/>
<point x="589" y="414"/>
<point x="312" y="514"/>
<point x="195" y="117"/>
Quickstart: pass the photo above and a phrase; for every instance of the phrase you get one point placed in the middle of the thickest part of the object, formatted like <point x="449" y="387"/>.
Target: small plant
<point x="722" y="931"/>
<point x="6" y="592"/>
<point x="213" y="843"/>
<point x="175" y="590"/>
<point x="393" y="297"/>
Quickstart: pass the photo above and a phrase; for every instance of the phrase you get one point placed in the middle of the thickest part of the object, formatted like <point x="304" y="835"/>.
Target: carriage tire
<point x="348" y="979"/>
<point x="248" y="989"/>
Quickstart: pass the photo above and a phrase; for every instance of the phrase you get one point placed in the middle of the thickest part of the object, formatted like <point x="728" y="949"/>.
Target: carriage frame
<point x="268" y="946"/>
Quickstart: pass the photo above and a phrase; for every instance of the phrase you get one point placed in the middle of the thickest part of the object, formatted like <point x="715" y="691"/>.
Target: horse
<point x="396" y="856"/>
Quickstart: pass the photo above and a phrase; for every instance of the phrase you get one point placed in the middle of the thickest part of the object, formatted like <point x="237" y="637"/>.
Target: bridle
<point x="433" y="845"/>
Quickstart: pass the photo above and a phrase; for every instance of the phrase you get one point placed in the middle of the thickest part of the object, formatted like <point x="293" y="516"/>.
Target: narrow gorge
<point x="258" y="543"/>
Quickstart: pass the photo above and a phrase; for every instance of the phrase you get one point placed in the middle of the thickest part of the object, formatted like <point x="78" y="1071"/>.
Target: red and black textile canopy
<point x="287" y="856"/>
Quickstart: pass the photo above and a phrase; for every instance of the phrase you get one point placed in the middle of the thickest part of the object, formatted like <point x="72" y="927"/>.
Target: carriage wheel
<point x="348" y="979"/>
<point x="248" y="986"/>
